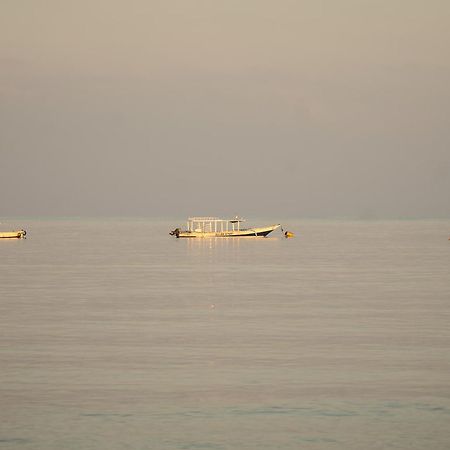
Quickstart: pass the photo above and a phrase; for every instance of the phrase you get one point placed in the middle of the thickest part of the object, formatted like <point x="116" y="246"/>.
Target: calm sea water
<point x="115" y="335"/>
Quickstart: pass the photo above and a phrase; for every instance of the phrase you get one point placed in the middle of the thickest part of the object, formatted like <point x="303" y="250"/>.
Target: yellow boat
<point x="20" y="234"/>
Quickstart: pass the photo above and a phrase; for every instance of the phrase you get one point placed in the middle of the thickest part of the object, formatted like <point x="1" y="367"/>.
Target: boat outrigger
<point x="215" y="227"/>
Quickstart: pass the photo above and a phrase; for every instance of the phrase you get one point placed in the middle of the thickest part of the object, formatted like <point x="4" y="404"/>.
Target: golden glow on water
<point x="116" y="335"/>
<point x="234" y="242"/>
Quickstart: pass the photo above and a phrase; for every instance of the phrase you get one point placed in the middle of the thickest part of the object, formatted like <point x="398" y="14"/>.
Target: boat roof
<point x="214" y="219"/>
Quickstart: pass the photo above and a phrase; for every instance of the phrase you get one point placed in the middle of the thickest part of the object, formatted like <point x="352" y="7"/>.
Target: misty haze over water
<point x="115" y="116"/>
<point x="298" y="109"/>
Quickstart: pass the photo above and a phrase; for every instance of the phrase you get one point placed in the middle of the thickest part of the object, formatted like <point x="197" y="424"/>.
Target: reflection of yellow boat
<point x="211" y="227"/>
<point x="13" y="234"/>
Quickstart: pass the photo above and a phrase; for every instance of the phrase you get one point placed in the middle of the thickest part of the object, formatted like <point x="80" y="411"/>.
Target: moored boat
<point x="209" y="227"/>
<point x="19" y="234"/>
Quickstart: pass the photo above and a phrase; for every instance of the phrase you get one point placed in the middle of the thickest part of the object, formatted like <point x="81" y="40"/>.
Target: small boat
<point x="20" y="234"/>
<point x="211" y="227"/>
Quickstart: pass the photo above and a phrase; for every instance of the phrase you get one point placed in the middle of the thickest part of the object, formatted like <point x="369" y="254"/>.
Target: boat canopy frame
<point x="212" y="224"/>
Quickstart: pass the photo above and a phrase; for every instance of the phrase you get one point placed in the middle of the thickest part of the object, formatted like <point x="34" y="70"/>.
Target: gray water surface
<point x="115" y="335"/>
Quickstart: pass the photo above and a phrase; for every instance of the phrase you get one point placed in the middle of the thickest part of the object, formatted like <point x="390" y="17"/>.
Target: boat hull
<point x="248" y="232"/>
<point x="12" y="234"/>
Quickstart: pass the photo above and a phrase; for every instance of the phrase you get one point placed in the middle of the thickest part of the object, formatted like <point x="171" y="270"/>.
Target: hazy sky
<point x="263" y="108"/>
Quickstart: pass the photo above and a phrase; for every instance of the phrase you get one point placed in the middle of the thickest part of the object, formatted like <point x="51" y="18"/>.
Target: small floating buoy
<point x="288" y="234"/>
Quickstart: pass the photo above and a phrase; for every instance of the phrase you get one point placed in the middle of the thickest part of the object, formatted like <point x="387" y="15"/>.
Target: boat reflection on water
<point x="225" y="243"/>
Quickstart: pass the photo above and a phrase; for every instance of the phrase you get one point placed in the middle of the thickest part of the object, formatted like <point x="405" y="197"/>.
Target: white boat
<point x="209" y="227"/>
<point x="19" y="234"/>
